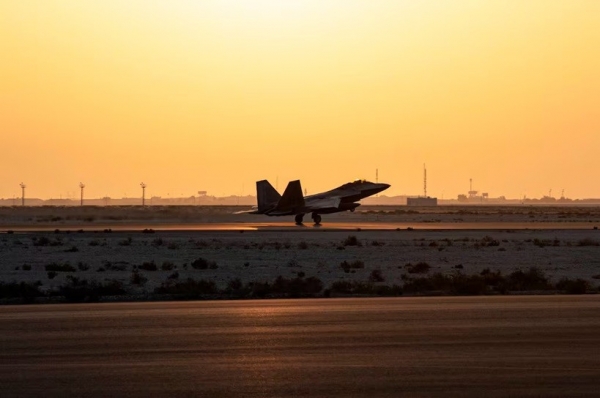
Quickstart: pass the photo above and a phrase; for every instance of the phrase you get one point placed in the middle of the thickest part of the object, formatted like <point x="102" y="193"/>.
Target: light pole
<point x="143" y="193"/>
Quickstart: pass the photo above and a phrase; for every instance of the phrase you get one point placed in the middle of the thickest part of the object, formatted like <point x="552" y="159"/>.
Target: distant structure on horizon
<point x="143" y="193"/>
<point x="422" y="200"/>
<point x="81" y="186"/>
<point x="23" y="186"/>
<point x="473" y="195"/>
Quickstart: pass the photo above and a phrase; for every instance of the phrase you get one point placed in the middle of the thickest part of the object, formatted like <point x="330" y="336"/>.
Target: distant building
<point x="421" y="201"/>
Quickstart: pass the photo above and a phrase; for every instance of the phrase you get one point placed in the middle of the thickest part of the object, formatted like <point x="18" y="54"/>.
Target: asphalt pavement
<point x="535" y="346"/>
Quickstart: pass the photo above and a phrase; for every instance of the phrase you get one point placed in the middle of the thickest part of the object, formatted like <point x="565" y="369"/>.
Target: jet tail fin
<point x="292" y="198"/>
<point x="266" y="195"/>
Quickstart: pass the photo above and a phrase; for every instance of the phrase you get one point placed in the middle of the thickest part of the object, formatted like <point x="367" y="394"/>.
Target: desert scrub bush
<point x="118" y="266"/>
<point x="188" y="289"/>
<point x="588" y="242"/>
<point x="546" y="242"/>
<point x="93" y="243"/>
<point x="235" y="288"/>
<point x="201" y="244"/>
<point x="376" y="276"/>
<point x="148" y="266"/>
<point x="280" y="287"/>
<point x="82" y="266"/>
<point x="494" y="279"/>
<point x="167" y="266"/>
<point x="202" y="263"/>
<point x="137" y="278"/>
<point x="573" y="286"/>
<point x="126" y="242"/>
<point x="363" y="288"/>
<point x="418" y="268"/>
<point x="174" y="275"/>
<point x="173" y="246"/>
<point x="302" y="245"/>
<point x="532" y="279"/>
<point x="20" y="291"/>
<point x="45" y="241"/>
<point x="488" y="241"/>
<point x="78" y="291"/>
<point x="52" y="274"/>
<point x="457" y="283"/>
<point x="297" y="287"/>
<point x="66" y="267"/>
<point x="351" y="240"/>
<point x="26" y="267"/>
<point x="347" y="267"/>
<point x="72" y="249"/>
<point x="157" y="242"/>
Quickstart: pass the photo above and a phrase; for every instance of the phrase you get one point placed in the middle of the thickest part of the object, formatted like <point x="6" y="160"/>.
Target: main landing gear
<point x="316" y="218"/>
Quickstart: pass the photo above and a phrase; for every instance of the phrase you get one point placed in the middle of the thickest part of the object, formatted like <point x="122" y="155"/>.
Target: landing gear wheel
<point x="317" y="219"/>
<point x="299" y="218"/>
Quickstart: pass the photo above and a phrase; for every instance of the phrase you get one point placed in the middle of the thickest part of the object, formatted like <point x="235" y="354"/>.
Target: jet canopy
<point x="355" y="182"/>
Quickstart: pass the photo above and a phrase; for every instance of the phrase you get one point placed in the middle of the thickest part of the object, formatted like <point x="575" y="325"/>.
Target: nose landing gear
<point x="299" y="218"/>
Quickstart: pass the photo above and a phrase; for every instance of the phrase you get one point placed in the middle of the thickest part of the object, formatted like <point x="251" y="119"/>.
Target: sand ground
<point x="265" y="253"/>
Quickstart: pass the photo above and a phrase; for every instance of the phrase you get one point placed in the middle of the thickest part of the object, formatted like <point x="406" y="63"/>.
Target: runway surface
<point x="290" y="226"/>
<point x="477" y="346"/>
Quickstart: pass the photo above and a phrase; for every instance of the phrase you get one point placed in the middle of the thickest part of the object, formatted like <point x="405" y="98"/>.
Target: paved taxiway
<point x="289" y="226"/>
<point x="476" y="346"/>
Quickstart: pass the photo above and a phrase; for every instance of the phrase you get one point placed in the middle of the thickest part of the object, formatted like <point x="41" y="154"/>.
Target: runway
<point x="468" y="347"/>
<point x="285" y="226"/>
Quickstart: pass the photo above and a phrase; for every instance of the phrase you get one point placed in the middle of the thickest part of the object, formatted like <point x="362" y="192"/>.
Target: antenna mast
<point x="81" y="186"/>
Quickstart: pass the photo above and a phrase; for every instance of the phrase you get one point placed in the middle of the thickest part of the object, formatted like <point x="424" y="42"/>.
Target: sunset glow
<point x="214" y="95"/>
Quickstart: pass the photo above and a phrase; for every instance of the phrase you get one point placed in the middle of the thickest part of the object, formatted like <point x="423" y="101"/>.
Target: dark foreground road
<point x="480" y="347"/>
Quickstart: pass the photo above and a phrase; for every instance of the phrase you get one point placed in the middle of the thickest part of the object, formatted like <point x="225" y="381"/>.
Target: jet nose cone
<point x="383" y="187"/>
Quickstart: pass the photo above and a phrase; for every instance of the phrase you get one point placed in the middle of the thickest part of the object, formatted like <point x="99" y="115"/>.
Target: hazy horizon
<point x="213" y="96"/>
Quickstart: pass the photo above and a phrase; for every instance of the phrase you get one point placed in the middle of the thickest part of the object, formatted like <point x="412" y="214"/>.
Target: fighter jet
<point x="293" y="203"/>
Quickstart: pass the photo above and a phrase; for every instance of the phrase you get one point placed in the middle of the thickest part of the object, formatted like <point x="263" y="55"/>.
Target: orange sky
<point x="214" y="95"/>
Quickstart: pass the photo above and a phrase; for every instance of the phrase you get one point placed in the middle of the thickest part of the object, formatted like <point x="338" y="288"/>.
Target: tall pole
<point x="424" y="179"/>
<point x="81" y="186"/>
<point x="23" y="186"/>
<point x="143" y="193"/>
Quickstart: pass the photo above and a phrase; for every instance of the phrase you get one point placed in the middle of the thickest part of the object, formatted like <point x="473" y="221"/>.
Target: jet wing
<point x="326" y="203"/>
<point x="252" y="211"/>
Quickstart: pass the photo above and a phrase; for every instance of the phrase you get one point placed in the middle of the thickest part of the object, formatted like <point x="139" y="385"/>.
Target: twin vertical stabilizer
<point x="292" y="198"/>
<point x="266" y="196"/>
<point x="270" y="202"/>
